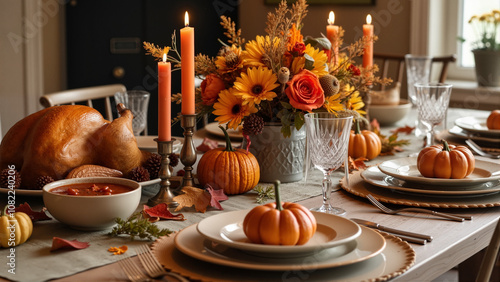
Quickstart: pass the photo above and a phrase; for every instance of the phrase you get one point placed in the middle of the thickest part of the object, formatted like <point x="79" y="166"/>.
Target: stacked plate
<point x="402" y="175"/>
<point x="475" y="128"/>
<point x="149" y="144"/>
<point x="337" y="242"/>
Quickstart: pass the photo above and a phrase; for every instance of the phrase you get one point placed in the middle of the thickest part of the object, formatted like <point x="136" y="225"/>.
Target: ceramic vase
<point x="487" y="67"/>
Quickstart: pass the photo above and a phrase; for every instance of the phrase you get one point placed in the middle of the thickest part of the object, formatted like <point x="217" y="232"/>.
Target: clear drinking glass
<point x="137" y="101"/>
<point x="418" y="70"/>
<point x="432" y="105"/>
<point x="327" y="143"/>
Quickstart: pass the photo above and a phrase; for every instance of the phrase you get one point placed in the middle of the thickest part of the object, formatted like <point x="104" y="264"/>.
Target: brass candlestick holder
<point x="165" y="194"/>
<point x="188" y="152"/>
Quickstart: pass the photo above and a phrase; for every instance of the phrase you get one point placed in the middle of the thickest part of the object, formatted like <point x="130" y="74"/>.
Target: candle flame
<point x="331" y="18"/>
<point x="164" y="57"/>
<point x="369" y="19"/>
<point x="186" y="19"/>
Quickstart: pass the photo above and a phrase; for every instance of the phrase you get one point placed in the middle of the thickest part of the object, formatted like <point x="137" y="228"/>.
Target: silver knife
<point x="391" y="230"/>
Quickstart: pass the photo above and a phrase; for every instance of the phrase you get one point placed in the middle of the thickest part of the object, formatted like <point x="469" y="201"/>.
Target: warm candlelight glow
<point x="186" y="19"/>
<point x="164" y="57"/>
<point x="331" y="18"/>
<point x="369" y="19"/>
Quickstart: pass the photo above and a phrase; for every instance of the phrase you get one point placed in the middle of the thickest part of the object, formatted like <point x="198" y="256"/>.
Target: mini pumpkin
<point x="364" y="143"/>
<point x="445" y="161"/>
<point x="493" y="120"/>
<point x="236" y="171"/>
<point x="15" y="228"/>
<point x="279" y="223"/>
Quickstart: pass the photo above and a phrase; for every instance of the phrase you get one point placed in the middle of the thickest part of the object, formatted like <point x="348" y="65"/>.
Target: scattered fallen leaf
<point x="375" y="126"/>
<point x="406" y="129"/>
<point x="59" y="243"/>
<point x="118" y="250"/>
<point x="357" y="164"/>
<point x="161" y="211"/>
<point x="35" y="216"/>
<point x="217" y="195"/>
<point x="193" y="196"/>
<point x="207" y="145"/>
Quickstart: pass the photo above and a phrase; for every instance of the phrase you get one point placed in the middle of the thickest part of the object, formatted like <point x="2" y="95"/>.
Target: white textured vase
<point x="279" y="158"/>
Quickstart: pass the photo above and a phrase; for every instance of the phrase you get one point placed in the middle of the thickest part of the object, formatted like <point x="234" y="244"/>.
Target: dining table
<point x="454" y="243"/>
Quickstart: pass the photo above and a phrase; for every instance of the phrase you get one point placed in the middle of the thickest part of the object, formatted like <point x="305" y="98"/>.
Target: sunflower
<point x="256" y="49"/>
<point x="256" y="85"/>
<point x="319" y="57"/>
<point x="333" y="103"/>
<point x="230" y="60"/>
<point x="354" y="101"/>
<point x="230" y="109"/>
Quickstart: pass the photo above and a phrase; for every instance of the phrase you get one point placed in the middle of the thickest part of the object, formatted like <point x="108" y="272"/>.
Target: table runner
<point x="34" y="262"/>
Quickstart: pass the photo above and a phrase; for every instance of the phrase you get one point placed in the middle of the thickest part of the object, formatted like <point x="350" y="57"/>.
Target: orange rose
<point x="210" y="88"/>
<point x="305" y="92"/>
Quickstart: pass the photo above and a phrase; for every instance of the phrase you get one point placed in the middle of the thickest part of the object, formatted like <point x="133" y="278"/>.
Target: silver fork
<point x="133" y="272"/>
<point x="153" y="266"/>
<point x="391" y="211"/>
<point x="480" y="151"/>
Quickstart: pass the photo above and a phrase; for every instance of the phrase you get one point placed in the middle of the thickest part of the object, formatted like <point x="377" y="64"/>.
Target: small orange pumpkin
<point x="445" y="161"/>
<point x="364" y="143"/>
<point x="279" y="223"/>
<point x="493" y="121"/>
<point x="234" y="171"/>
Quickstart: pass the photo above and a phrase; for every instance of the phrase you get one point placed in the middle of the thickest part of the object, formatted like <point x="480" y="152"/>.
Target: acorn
<point x="330" y="84"/>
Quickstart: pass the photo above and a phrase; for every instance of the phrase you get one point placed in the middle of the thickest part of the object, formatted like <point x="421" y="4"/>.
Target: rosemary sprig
<point x="137" y="226"/>
<point x="264" y="193"/>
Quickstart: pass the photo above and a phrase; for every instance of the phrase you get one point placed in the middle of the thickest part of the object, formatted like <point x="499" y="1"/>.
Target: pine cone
<point x="253" y="125"/>
<point x="153" y="165"/>
<point x="42" y="181"/>
<point x="139" y="174"/>
<point x="4" y="179"/>
<point x="174" y="160"/>
<point x="330" y="84"/>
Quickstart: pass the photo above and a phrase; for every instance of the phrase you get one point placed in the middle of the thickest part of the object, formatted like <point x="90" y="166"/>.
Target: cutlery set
<point x="474" y="129"/>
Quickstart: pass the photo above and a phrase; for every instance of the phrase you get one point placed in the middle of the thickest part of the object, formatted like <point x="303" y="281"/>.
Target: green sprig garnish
<point x="264" y="193"/>
<point x="137" y="226"/>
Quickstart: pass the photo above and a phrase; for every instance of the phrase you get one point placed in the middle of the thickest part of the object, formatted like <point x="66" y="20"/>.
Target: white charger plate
<point x="374" y="176"/>
<point x="213" y="128"/>
<point x="476" y="124"/>
<point x="148" y="143"/>
<point x="226" y="229"/>
<point x="25" y="192"/>
<point x="190" y="242"/>
<point x="406" y="169"/>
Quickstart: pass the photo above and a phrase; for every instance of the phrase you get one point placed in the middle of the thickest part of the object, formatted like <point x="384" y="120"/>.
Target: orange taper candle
<point x="332" y="32"/>
<point x="187" y="68"/>
<point x="368" y="51"/>
<point x="164" y="100"/>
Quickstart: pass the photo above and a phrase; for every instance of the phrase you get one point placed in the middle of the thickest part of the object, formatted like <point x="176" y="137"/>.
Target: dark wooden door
<point x="104" y="41"/>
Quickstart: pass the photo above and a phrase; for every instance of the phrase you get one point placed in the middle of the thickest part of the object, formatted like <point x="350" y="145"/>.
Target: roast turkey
<point x="55" y="140"/>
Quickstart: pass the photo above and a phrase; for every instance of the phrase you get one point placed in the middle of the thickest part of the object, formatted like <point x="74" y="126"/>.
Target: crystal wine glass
<point x="327" y="143"/>
<point x="136" y="101"/>
<point x="432" y="104"/>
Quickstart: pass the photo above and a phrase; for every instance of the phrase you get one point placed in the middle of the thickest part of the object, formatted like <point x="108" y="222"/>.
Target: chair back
<point x="490" y="257"/>
<point x="86" y="95"/>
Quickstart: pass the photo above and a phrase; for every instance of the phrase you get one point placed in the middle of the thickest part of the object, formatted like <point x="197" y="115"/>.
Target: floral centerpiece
<point x="278" y="77"/>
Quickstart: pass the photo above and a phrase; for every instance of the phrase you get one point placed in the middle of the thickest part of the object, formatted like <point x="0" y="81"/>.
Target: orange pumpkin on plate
<point x="493" y="121"/>
<point x="445" y="161"/>
<point x="279" y="223"/>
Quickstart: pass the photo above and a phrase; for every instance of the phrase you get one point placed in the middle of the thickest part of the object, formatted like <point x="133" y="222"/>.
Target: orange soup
<point x="91" y="189"/>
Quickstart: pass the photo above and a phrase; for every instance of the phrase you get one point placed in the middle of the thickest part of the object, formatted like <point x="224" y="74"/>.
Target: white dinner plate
<point x="476" y="124"/>
<point x="213" y="128"/>
<point x="189" y="241"/>
<point x="25" y="192"/>
<point x="464" y="134"/>
<point x="375" y="177"/>
<point x="406" y="169"/>
<point x="148" y="143"/>
<point x="226" y="229"/>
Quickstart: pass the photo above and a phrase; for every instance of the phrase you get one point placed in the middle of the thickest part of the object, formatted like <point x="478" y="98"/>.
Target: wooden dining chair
<point x="86" y="95"/>
<point x="490" y="257"/>
<point x="395" y="64"/>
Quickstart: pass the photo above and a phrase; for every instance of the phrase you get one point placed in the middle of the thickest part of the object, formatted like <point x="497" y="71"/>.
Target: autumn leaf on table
<point x="35" y="216"/>
<point x="406" y="129"/>
<point x="160" y="211"/>
<point x="217" y="195"/>
<point x="193" y="196"/>
<point x="357" y="164"/>
<point x="391" y="144"/>
<point x="375" y="126"/>
<point x="59" y="243"/>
